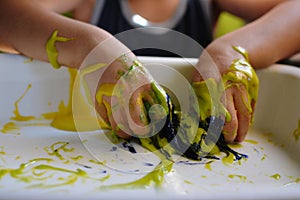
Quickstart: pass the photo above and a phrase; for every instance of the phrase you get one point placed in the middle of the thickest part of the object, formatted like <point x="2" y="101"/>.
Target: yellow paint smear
<point x="10" y="128"/>
<point x="18" y="116"/>
<point x="84" y="118"/>
<point x="296" y="132"/>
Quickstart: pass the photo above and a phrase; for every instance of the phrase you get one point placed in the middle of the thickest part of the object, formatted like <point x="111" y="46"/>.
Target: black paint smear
<point x="85" y="166"/>
<point x="114" y="148"/>
<point x="149" y="164"/>
<point x="186" y="162"/>
<point x="130" y="148"/>
<point x="177" y="137"/>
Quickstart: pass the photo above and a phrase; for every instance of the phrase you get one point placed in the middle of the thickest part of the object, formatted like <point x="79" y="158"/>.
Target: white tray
<point x="272" y="170"/>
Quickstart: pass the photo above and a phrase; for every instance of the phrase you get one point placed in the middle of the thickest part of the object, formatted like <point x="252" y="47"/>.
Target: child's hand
<point x="233" y="98"/>
<point x="130" y="101"/>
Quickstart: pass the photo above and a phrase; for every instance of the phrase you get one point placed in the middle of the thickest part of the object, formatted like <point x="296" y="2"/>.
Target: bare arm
<point x="62" y="6"/>
<point x="80" y="9"/>
<point x="26" y="27"/>
<point x="247" y="9"/>
<point x="272" y="37"/>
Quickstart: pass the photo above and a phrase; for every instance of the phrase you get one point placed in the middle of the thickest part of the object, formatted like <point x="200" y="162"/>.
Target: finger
<point x="155" y="108"/>
<point x="196" y="76"/>
<point x="242" y="105"/>
<point x="253" y="104"/>
<point x="101" y="110"/>
<point x="137" y="115"/>
<point x="116" y="118"/>
<point x="230" y="128"/>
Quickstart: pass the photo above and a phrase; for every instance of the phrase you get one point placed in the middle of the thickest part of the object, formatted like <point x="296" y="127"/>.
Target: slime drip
<point x="51" y="49"/>
<point x="18" y="116"/>
<point x="296" y="132"/>
<point x="85" y="118"/>
<point x="63" y="119"/>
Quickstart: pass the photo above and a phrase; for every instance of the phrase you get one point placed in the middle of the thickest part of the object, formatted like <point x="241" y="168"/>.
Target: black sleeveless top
<point x="186" y="37"/>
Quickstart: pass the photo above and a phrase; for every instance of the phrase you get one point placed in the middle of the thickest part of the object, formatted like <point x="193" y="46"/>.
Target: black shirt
<point x="186" y="37"/>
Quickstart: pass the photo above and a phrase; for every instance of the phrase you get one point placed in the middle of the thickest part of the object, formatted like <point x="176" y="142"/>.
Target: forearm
<point x="26" y="28"/>
<point x="246" y="9"/>
<point x="273" y="37"/>
<point x="60" y="6"/>
<point x="80" y="9"/>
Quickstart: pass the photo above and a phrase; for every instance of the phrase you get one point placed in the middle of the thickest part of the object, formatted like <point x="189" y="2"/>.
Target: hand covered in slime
<point x="130" y="101"/>
<point x="234" y="97"/>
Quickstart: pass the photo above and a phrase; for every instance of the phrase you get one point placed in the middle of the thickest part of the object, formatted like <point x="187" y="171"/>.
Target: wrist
<point x="223" y="54"/>
<point x="87" y="46"/>
<point x="215" y="61"/>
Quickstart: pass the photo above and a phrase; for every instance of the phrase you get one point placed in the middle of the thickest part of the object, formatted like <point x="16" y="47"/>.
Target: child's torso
<point x="149" y="38"/>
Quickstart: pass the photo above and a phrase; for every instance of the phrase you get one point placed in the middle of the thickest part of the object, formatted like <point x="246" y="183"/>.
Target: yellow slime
<point x="209" y="92"/>
<point x="18" y="116"/>
<point x="240" y="73"/>
<point x="296" y="132"/>
<point x="84" y="118"/>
